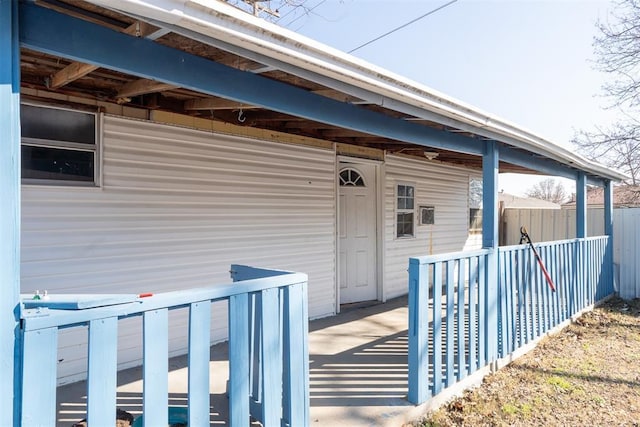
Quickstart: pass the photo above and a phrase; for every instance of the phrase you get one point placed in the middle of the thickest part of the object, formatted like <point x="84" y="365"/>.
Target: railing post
<point x="10" y="348"/>
<point x="418" y="332"/>
<point x="490" y="167"/>
<point x="40" y="351"/>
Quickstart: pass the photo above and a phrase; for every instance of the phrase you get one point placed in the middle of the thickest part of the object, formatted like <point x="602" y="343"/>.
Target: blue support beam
<point x="10" y="347"/>
<point x="147" y="59"/>
<point x="91" y="43"/>
<point x="490" y="163"/>
<point x="526" y="159"/>
<point x="581" y="205"/>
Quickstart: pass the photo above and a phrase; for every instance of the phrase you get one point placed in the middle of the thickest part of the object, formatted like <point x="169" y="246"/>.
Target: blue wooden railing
<point x="448" y="337"/>
<point x="267" y="346"/>
<point x="581" y="271"/>
<point x="448" y="305"/>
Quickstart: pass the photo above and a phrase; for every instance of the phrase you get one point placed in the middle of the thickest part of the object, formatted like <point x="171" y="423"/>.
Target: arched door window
<point x="351" y="178"/>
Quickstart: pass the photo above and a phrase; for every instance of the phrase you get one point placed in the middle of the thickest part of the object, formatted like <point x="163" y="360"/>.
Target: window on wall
<point x="58" y="145"/>
<point x="405" y="201"/>
<point x="475" y="205"/>
<point x="475" y="221"/>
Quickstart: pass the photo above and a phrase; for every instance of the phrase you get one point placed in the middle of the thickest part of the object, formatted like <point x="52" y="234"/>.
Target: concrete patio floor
<point x="358" y="368"/>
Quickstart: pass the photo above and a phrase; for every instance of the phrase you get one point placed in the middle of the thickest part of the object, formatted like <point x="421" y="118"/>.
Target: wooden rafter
<point x="77" y="70"/>
<point x="142" y="86"/>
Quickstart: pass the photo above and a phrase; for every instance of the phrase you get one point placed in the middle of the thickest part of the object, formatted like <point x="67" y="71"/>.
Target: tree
<point x="617" y="49"/>
<point x="549" y="190"/>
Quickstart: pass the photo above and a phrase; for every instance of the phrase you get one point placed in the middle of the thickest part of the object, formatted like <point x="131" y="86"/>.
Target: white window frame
<point x="69" y="145"/>
<point x="399" y="210"/>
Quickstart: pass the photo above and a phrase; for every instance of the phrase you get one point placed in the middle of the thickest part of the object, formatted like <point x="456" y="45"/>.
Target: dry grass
<point x="589" y="374"/>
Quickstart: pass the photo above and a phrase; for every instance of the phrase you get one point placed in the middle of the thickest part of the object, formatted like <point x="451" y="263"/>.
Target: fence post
<point x="418" y="332"/>
<point x="10" y="346"/>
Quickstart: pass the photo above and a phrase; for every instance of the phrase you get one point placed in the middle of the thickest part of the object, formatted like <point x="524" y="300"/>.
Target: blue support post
<point x="10" y="352"/>
<point x="581" y="205"/>
<point x="581" y="233"/>
<point x="490" y="167"/>
<point x="609" y="270"/>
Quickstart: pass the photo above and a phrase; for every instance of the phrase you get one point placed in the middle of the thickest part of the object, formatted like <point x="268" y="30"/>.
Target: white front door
<point x="357" y="225"/>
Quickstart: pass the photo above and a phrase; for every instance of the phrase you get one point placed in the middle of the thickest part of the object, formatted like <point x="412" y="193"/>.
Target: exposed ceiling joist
<point x="141" y="87"/>
<point x="77" y="70"/>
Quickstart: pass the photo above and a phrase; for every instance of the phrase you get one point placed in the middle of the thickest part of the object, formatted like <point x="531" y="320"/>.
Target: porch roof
<point x="386" y="112"/>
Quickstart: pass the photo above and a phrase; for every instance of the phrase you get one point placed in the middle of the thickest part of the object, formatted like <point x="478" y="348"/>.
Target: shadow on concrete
<point x="358" y="360"/>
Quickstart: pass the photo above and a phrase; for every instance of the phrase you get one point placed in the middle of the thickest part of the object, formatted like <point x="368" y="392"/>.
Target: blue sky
<point x="526" y="61"/>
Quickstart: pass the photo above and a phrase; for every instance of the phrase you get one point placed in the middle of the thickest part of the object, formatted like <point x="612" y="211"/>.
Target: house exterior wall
<point x="176" y="208"/>
<point x="444" y="187"/>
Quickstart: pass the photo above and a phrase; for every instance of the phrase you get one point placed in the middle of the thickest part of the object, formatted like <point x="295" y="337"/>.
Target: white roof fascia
<point x="221" y="21"/>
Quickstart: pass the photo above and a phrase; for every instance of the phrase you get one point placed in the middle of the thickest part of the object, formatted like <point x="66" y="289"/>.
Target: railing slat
<point x="272" y="355"/>
<point x="482" y="311"/>
<point x="473" y="300"/>
<point x="155" y="367"/>
<point x="239" y="360"/>
<point x="39" y="377"/>
<point x="296" y="354"/>
<point x="198" y="359"/>
<point x="462" y="370"/>
<point x="450" y="349"/>
<point x="437" y="328"/>
<point x="102" y="370"/>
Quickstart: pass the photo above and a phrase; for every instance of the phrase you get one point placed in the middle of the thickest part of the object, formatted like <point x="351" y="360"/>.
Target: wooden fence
<point x="548" y="225"/>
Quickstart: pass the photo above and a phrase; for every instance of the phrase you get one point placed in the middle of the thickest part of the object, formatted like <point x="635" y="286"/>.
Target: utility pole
<point x="258" y="7"/>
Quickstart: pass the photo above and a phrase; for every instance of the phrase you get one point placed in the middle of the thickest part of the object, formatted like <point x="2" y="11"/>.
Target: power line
<point x="431" y="12"/>
<point x="305" y="13"/>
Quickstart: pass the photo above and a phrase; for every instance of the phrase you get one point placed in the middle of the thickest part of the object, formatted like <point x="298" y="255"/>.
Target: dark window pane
<point x="409" y="203"/>
<point x="57" y="125"/>
<point x="475" y="219"/>
<point x="409" y="191"/>
<point x="54" y="163"/>
<point x="404" y="224"/>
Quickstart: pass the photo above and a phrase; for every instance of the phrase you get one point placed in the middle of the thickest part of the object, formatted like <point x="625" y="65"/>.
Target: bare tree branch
<point x="549" y="190"/>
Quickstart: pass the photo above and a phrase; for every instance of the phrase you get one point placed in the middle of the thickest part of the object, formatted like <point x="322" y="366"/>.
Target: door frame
<point x="379" y="212"/>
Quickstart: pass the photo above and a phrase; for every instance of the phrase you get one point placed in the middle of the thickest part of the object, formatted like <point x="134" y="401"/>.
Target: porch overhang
<point x="287" y="82"/>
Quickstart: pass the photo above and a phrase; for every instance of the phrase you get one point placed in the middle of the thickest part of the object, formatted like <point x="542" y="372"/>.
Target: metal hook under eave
<point x="241" y="117"/>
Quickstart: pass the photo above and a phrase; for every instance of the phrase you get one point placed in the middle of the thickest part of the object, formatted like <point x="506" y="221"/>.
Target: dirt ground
<point x="587" y="375"/>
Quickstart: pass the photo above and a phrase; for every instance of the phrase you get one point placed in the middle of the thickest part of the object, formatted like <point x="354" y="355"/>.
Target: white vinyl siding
<point x="443" y="187"/>
<point x="176" y="208"/>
